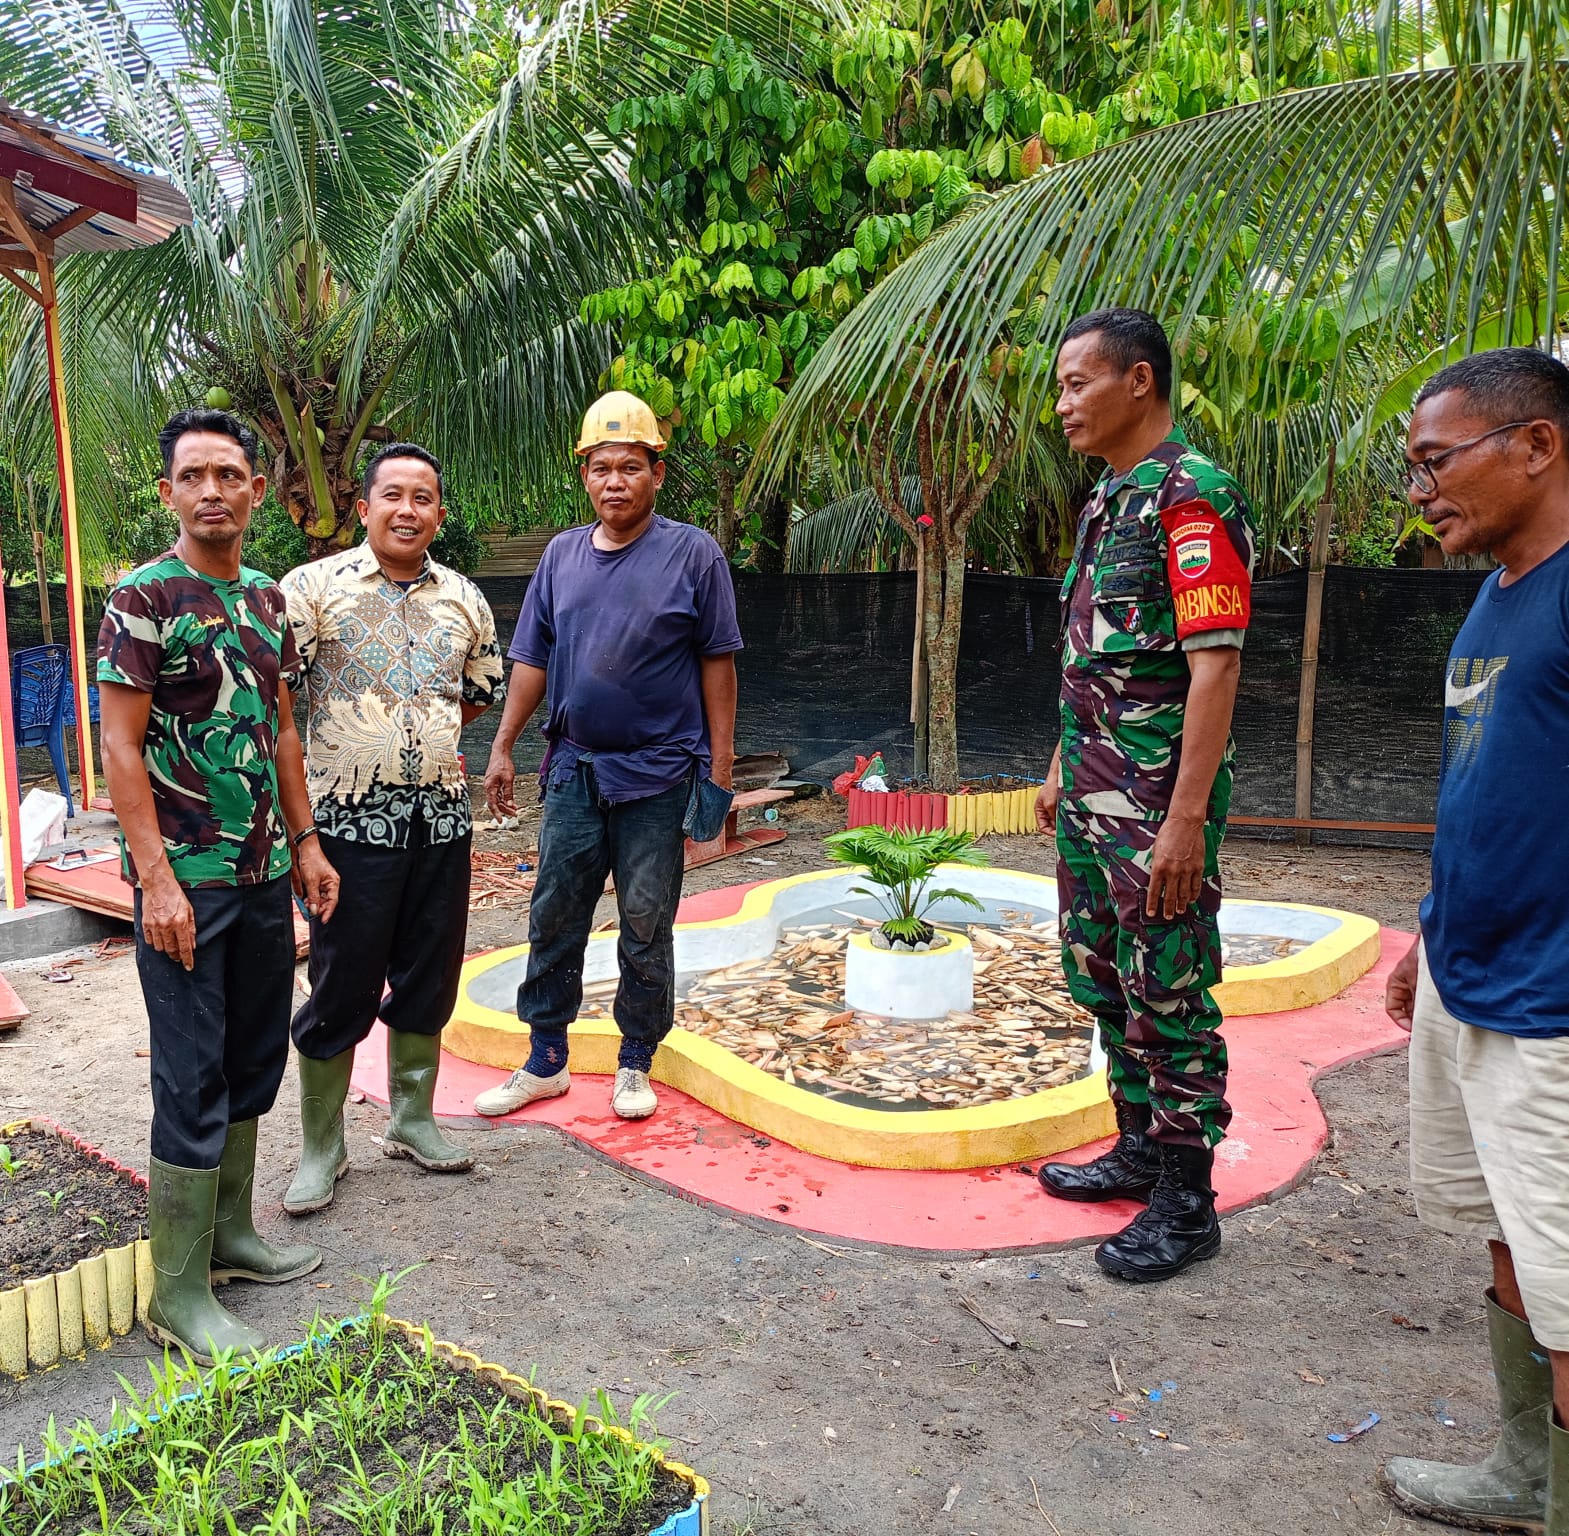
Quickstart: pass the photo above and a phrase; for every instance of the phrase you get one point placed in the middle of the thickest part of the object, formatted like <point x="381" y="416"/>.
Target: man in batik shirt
<point x="1155" y="603"/>
<point x="195" y="662"/>
<point x="399" y="654"/>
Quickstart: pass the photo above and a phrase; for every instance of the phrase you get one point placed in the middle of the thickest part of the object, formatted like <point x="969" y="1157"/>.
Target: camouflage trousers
<point x="1145" y="979"/>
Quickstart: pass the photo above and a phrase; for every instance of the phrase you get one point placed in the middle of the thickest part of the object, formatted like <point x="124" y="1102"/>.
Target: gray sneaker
<point x="521" y="1088"/>
<point x="634" y="1097"/>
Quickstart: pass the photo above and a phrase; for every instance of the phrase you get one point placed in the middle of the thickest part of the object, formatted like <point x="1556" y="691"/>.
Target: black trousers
<point x="399" y="929"/>
<point x="219" y="1032"/>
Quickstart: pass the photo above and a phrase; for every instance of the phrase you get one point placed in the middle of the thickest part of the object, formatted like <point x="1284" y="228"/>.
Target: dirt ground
<point x="845" y="1393"/>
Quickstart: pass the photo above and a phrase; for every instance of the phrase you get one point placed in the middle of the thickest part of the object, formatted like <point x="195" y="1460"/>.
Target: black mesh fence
<point x="826" y="674"/>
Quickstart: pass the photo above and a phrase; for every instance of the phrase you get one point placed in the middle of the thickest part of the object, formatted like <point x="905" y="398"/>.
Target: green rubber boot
<point x="183" y="1311"/>
<point x="324" y="1158"/>
<point x="1508" y="1491"/>
<point x="1557" y="1479"/>
<point x="239" y="1252"/>
<point x="412" y="1063"/>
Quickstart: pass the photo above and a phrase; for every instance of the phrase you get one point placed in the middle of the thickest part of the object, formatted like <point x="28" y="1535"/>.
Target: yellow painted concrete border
<point x="86" y="1306"/>
<point x="1010" y="1130"/>
<point x="515" y="1386"/>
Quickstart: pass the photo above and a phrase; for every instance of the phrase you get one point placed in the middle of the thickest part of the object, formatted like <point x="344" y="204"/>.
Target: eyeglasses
<point x="1424" y="473"/>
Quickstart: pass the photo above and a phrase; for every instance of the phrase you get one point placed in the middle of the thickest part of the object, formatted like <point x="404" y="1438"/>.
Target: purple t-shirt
<point x="619" y="634"/>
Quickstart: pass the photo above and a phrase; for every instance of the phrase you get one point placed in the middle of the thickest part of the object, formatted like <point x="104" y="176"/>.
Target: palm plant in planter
<point x="899" y="867"/>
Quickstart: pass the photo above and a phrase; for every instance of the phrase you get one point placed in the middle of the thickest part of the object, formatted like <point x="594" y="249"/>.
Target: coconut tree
<point x="363" y="264"/>
<point x="1364" y="230"/>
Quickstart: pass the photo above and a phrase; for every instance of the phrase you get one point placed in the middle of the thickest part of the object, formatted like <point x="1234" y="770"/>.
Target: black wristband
<point x="299" y="837"/>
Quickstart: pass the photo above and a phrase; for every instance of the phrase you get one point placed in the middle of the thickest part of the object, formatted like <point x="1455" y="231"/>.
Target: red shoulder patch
<point x="1210" y="586"/>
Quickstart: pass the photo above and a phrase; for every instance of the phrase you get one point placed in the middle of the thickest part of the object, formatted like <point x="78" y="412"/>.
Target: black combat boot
<point x="1127" y="1172"/>
<point x="1178" y="1229"/>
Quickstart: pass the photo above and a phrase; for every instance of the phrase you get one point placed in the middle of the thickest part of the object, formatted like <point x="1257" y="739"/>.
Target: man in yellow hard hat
<point x="630" y="625"/>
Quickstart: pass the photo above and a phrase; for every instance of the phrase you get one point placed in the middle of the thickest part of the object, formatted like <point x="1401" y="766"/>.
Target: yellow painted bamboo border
<point x="980" y="1136"/>
<point x="1002" y="810"/>
<point x="516" y="1386"/>
<point x="73" y="1310"/>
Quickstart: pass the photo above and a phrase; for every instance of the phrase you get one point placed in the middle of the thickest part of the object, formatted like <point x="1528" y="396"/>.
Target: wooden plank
<point x="102" y="889"/>
<point x="1314" y="823"/>
<point x="12" y="1009"/>
<point x="515" y="554"/>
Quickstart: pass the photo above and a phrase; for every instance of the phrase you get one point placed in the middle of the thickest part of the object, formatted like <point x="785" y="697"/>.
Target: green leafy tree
<point x="371" y="258"/>
<point x="1303" y="247"/>
<point x="749" y="167"/>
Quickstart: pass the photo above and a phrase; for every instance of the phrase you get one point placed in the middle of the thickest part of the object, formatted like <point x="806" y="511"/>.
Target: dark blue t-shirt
<point x="619" y="634"/>
<point x="1496" y="927"/>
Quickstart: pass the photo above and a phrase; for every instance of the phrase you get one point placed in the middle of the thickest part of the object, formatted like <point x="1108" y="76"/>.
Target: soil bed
<point x="60" y="1205"/>
<point x="356" y="1431"/>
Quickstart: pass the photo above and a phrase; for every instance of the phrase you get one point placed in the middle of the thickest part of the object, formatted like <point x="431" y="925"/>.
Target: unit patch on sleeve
<point x="1210" y="587"/>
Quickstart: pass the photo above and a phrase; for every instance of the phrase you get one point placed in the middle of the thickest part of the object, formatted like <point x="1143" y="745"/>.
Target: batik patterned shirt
<point x="211" y="653"/>
<point x="1162" y="564"/>
<point x="387" y="671"/>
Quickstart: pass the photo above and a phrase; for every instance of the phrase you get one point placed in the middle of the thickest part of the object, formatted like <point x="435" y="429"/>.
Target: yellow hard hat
<point x="619" y="417"/>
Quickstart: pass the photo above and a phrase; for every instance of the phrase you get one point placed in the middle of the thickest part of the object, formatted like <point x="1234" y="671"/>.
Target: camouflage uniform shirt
<point x="387" y="671"/>
<point x="211" y="653"/>
<point x="1162" y="564"/>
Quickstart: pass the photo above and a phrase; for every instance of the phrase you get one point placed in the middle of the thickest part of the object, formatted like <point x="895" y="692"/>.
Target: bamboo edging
<point x="87" y="1306"/>
<point x="1005" y="811"/>
<point x="692" y="1521"/>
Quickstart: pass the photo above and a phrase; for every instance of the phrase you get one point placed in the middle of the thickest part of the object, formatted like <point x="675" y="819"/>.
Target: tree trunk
<point x="724" y="486"/>
<point x="326" y="528"/>
<point x="944" y="611"/>
<point x="773" y="546"/>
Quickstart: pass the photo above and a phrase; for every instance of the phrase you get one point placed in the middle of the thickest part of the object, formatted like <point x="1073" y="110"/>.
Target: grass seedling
<point x="359" y="1425"/>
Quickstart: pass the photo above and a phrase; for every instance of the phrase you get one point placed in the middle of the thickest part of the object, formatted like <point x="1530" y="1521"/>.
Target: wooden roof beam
<point x="35" y="294"/>
<point x="67" y="181"/>
<point x="69" y="222"/>
<point x="23" y="232"/>
<point x="53" y="146"/>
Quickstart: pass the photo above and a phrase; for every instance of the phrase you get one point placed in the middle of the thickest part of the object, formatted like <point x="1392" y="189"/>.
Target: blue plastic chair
<point x="68" y="717"/>
<point x="38" y="698"/>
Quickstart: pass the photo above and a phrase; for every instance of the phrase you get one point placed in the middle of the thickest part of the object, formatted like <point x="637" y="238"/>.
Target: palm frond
<point x="1406" y="209"/>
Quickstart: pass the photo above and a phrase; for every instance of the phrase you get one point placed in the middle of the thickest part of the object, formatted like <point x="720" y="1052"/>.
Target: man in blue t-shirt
<point x="630" y="627"/>
<point x="1485" y="990"/>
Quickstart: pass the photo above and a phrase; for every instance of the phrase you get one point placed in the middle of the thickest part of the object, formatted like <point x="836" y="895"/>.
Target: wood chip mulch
<point x="783" y="1013"/>
<point x="497" y="881"/>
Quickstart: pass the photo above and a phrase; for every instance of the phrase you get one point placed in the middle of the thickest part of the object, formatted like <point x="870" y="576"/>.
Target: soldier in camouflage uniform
<point x="1155" y="602"/>
<point x="195" y="659"/>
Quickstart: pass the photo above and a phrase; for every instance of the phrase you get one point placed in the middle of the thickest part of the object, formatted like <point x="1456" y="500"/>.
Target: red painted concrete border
<point x="697" y="1153"/>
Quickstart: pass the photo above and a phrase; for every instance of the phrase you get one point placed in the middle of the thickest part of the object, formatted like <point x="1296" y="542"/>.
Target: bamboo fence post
<point x="1312" y="626"/>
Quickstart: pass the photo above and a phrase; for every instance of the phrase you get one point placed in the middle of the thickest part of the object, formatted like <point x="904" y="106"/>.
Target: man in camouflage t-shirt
<point x="195" y="659"/>
<point x="1155" y="603"/>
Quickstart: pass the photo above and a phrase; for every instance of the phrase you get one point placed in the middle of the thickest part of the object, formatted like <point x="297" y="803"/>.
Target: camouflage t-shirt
<point x="1162" y="563"/>
<point x="211" y="654"/>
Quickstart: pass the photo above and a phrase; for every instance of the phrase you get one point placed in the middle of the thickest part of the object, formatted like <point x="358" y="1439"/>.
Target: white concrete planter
<point x="909" y="984"/>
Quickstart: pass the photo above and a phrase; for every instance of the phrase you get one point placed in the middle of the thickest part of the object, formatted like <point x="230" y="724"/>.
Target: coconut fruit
<point x="218" y="398"/>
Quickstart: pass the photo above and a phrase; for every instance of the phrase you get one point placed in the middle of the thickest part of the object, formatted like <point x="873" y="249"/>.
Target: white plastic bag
<point x="43" y="823"/>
